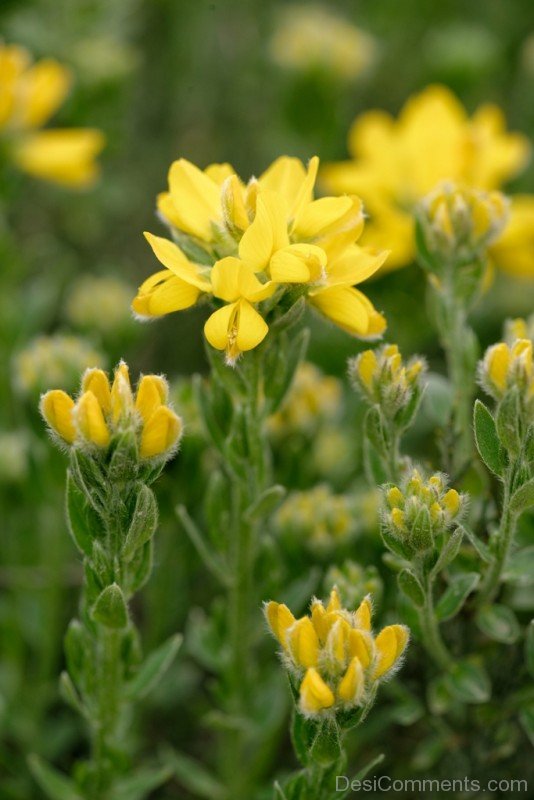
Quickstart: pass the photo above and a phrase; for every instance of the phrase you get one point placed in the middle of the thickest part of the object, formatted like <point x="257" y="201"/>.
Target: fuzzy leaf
<point x="507" y="421"/>
<point x="194" y="777"/>
<point x="68" y="692"/>
<point x="266" y="503"/>
<point x="480" y="546"/>
<point x="142" y="783"/>
<point x="154" y="667"/>
<point x="409" y="584"/>
<point x="83" y="521"/>
<point x="375" y="430"/>
<point x="456" y="594"/>
<point x="144" y="522"/>
<point x="519" y="570"/>
<point x="54" y="784"/>
<point x="326" y="747"/>
<point x="486" y="439"/>
<point x="499" y="622"/>
<point x="523" y="498"/>
<point x="110" y="608"/>
<point x="468" y="682"/>
<point x="450" y="550"/>
<point x="526" y="718"/>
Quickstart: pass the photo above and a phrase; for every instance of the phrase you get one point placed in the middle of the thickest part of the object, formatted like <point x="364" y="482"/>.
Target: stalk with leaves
<point x="118" y="444"/>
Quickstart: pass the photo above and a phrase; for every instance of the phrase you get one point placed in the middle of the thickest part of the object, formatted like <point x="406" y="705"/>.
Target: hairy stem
<point x="432" y="636"/>
<point x="505" y="537"/>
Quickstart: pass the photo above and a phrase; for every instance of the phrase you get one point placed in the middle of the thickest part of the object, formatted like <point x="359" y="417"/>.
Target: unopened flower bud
<point x="383" y="379"/>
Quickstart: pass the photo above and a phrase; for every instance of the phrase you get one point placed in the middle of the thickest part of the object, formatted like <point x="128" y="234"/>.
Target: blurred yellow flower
<point x="30" y="94"/>
<point x="395" y="162"/>
<point x="311" y="37"/>
<point x="242" y="243"/>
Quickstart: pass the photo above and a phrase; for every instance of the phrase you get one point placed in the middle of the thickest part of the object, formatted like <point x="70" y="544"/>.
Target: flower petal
<point x="251" y="327"/>
<point x="196" y="199"/>
<point x="318" y="215"/>
<point x="267" y="233"/>
<point x="170" y="255"/>
<point x="298" y="263"/>
<point x="342" y="305"/>
<point x="63" y="156"/>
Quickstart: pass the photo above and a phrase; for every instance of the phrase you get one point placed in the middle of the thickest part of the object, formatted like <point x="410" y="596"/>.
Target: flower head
<point x="421" y="511"/>
<point x="267" y="240"/>
<point x="30" y="94"/>
<point x="508" y="366"/>
<point x="104" y="412"/>
<point x="383" y="379"/>
<point x="332" y="654"/>
<point x="317" y="519"/>
<point x="396" y="162"/>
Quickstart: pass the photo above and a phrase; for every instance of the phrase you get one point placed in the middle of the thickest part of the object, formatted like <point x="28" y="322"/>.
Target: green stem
<point x="505" y="537"/>
<point x="106" y="723"/>
<point x="432" y="639"/>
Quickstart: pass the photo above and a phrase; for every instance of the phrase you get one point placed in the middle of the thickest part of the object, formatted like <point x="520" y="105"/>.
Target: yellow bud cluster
<point x="384" y="379"/>
<point x="317" y="518"/>
<point x="56" y="360"/>
<point x="506" y="366"/>
<point x="421" y="510"/>
<point x="333" y="654"/>
<point x="313" y="398"/>
<point x="460" y="220"/>
<point x="104" y="410"/>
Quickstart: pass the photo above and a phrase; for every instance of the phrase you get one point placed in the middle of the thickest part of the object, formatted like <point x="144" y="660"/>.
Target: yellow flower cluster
<point x="422" y="510"/>
<point x="56" y="360"/>
<point x="99" y="303"/>
<point x="333" y="654"/>
<point x="310" y="37"/>
<point x="383" y="379"/>
<point x="103" y="411"/>
<point x="461" y="222"/>
<point x="396" y="162"/>
<point x="312" y="399"/>
<point x="246" y="243"/>
<point x="510" y="365"/>
<point x="30" y="94"/>
<point x="317" y="518"/>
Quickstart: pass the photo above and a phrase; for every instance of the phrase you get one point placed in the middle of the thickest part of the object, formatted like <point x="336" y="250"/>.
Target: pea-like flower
<point x="383" y="379"/>
<point x="243" y="243"/>
<point x="332" y="656"/>
<point x="104" y="413"/>
<point x="421" y="512"/>
<point x="459" y="223"/>
<point x="30" y="94"/>
<point x="507" y="367"/>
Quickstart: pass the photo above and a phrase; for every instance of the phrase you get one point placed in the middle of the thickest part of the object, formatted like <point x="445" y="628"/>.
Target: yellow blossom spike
<point x="152" y="392"/>
<point x="56" y="407"/>
<point x="97" y="382"/>
<point x="161" y="433"/>
<point x="121" y="393"/>
<point x="451" y="501"/>
<point x="367" y="366"/>
<point x="315" y="694"/>
<point x="398" y="518"/>
<point x="280" y="620"/>
<point x="364" y="613"/>
<point x="361" y="646"/>
<point x="90" y="420"/>
<point x="303" y="643"/>
<point x="395" y="497"/>
<point x="390" y="644"/>
<point x="334" y="603"/>
<point x="352" y="684"/>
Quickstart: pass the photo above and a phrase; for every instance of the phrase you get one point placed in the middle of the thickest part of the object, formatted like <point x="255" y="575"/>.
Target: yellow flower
<point x="251" y="239"/>
<point x="507" y="366"/>
<point x="237" y="326"/>
<point x="396" y="162"/>
<point x="105" y="411"/>
<point x="333" y="653"/>
<point x="30" y="94"/>
<point x="384" y="379"/>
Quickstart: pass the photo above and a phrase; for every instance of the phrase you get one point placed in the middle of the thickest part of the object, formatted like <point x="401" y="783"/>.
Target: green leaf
<point x="83" y="522"/>
<point x="398" y="547"/>
<point x="421" y="536"/>
<point x="54" y="784"/>
<point x="281" y="383"/>
<point x="211" y="560"/>
<point x="480" y="546"/>
<point x="439" y="695"/>
<point x="266" y="503"/>
<point x="519" y="570"/>
<point x="326" y="747"/>
<point x="486" y="439"/>
<point x="410" y="586"/>
<point x="70" y="696"/>
<point x="144" y="522"/>
<point x="373" y="463"/>
<point x="110" y="608"/>
<point x="469" y="682"/>
<point x="500" y="623"/>
<point x="141" y="783"/>
<point x="507" y="421"/>
<point x="368" y="767"/>
<point x="529" y="648"/>
<point x="154" y="667"/>
<point x="456" y="594"/>
<point x="374" y="429"/>
<point x="450" y="550"/>
<point x="523" y="498"/>
<point x="526" y="718"/>
<point x="78" y="652"/>
<point x="303" y="733"/>
<point x="194" y="777"/>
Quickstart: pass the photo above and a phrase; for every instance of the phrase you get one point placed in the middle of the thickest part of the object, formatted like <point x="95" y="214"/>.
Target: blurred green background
<point x="193" y="78"/>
